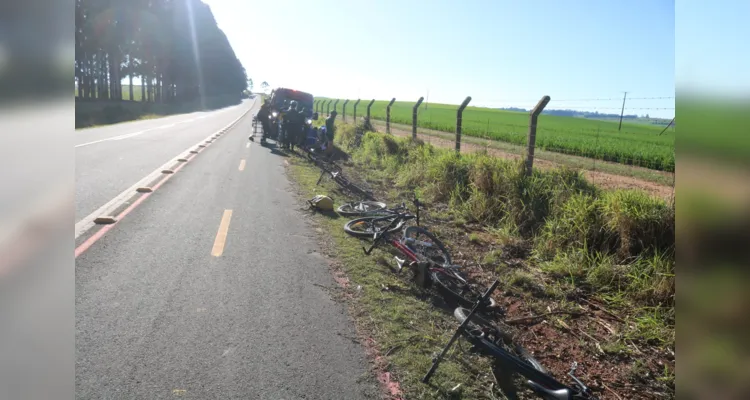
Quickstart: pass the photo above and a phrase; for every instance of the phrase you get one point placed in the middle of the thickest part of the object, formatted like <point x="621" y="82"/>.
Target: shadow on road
<point x="275" y="149"/>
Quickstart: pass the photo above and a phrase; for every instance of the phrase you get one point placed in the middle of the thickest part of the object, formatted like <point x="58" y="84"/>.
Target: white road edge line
<point x="87" y="222"/>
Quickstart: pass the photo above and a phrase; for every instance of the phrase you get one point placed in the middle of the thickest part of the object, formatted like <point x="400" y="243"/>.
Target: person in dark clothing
<point x="263" y="113"/>
<point x="330" y="127"/>
<point x="302" y="134"/>
<point x="293" y="122"/>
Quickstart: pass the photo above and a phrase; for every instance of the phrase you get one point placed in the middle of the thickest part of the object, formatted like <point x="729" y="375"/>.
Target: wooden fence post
<point x="388" y="116"/>
<point x="368" y="109"/>
<point x="356" y="103"/>
<point x="459" y="122"/>
<point x="414" y="118"/>
<point x="532" y="133"/>
<point x="343" y="109"/>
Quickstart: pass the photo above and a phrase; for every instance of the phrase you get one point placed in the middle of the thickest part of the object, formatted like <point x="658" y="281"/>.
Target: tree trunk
<point x="130" y="88"/>
<point x="150" y="89"/>
<point x="105" y="78"/>
<point x="143" y="87"/>
<point x="160" y="87"/>
<point x="87" y="77"/>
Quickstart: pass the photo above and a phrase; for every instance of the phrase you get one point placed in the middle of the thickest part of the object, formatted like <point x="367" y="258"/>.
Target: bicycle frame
<point x="537" y="380"/>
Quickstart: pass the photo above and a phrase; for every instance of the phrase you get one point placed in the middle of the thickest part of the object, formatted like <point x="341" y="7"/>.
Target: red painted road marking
<point x="98" y="235"/>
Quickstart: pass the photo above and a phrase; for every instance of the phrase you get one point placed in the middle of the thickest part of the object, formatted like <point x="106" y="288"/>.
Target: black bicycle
<point x="427" y="256"/>
<point x="510" y="359"/>
<point x="337" y="175"/>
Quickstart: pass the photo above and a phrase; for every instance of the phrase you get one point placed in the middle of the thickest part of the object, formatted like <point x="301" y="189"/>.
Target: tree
<point x="250" y="84"/>
<point x="156" y="41"/>
<point x="264" y="86"/>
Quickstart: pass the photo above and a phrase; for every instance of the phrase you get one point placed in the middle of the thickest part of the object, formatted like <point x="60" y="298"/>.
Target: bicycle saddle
<point x="560" y="394"/>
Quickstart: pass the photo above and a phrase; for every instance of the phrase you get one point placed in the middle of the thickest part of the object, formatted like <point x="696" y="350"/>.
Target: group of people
<point x="293" y="129"/>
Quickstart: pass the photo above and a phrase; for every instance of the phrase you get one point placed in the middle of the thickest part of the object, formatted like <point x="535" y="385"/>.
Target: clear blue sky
<point x="502" y="53"/>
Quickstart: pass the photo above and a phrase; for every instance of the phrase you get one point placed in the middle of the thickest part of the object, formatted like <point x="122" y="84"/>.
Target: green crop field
<point x="636" y="144"/>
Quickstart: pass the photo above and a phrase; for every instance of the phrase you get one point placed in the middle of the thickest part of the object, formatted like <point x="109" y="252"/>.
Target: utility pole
<point x="622" y="111"/>
<point x="428" y="99"/>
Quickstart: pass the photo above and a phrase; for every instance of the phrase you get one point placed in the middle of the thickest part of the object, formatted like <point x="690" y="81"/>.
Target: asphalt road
<point x="212" y="288"/>
<point x="110" y="159"/>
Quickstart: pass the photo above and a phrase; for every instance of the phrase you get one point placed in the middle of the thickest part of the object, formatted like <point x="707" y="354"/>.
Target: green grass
<point x="637" y="144"/>
<point x="613" y="247"/>
<point x="396" y="319"/>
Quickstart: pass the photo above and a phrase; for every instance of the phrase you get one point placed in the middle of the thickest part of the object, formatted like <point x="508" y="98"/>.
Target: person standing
<point x="293" y="121"/>
<point x="330" y="128"/>
<point x="263" y="114"/>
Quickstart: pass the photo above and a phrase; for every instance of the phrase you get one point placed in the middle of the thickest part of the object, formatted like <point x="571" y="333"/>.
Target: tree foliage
<point x="174" y="47"/>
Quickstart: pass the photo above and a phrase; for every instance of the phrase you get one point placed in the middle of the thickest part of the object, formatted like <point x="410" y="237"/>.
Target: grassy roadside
<point x="91" y="113"/>
<point x="572" y="161"/>
<point x="598" y="268"/>
<point x="392" y="316"/>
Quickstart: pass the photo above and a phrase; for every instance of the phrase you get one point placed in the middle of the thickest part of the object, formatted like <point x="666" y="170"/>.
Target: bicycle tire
<point x="360" y="208"/>
<point x="458" y="292"/>
<point x="369" y="230"/>
<point x="496" y="335"/>
<point x="436" y="251"/>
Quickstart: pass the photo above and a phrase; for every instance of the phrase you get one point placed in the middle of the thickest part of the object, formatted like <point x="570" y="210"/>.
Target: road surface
<point x="210" y="288"/>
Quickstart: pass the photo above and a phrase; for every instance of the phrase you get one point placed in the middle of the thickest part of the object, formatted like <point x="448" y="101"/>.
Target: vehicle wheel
<point x="360" y="208"/>
<point x="458" y="292"/>
<point x="425" y="244"/>
<point x="500" y="337"/>
<point x="366" y="227"/>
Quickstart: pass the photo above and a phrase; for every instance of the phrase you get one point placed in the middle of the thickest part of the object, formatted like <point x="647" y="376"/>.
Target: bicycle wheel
<point x="458" y="291"/>
<point x="360" y="208"/>
<point x="367" y="226"/>
<point x="425" y="244"/>
<point x="479" y="326"/>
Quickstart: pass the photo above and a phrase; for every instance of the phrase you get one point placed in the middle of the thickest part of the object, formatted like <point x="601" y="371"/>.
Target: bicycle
<point x="364" y="207"/>
<point x="337" y="176"/>
<point x="427" y="255"/>
<point x="509" y="358"/>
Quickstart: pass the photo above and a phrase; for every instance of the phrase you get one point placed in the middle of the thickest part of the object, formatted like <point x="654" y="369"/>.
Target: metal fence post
<point x="532" y="133"/>
<point x="414" y="118"/>
<point x="388" y="116"/>
<point x="335" y="103"/>
<point x="328" y="106"/>
<point x="368" y="109"/>
<point x="343" y="109"/>
<point x="356" y="103"/>
<point x="316" y="103"/>
<point x="459" y="122"/>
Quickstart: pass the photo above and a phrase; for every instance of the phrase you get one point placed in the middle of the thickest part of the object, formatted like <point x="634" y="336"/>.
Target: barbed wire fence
<point x="632" y="156"/>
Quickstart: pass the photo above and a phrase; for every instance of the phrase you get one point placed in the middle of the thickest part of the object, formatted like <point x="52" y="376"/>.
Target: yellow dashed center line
<point x="221" y="235"/>
<point x="242" y="165"/>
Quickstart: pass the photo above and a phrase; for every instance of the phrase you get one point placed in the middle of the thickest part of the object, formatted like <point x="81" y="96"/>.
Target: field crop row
<point x="636" y="144"/>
